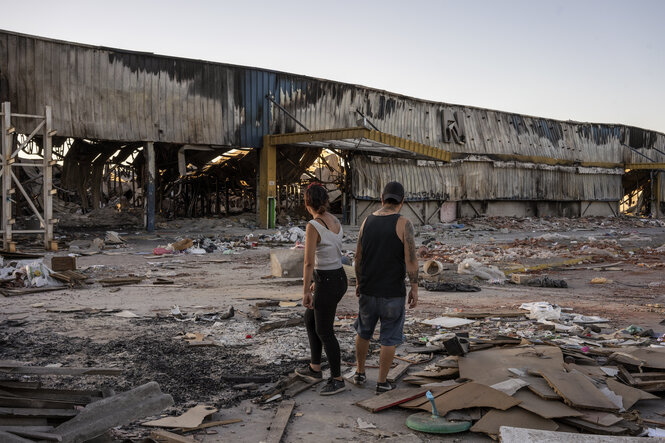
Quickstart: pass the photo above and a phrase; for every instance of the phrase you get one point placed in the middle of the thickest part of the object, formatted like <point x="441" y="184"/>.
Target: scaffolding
<point x="11" y="149"/>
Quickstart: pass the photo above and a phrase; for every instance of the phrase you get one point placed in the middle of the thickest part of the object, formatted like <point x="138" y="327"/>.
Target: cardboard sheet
<point x="392" y="398"/>
<point x="471" y="395"/>
<point x="544" y="408"/>
<point x="577" y="390"/>
<point x="629" y="395"/>
<point x="517" y="417"/>
<point x="475" y="365"/>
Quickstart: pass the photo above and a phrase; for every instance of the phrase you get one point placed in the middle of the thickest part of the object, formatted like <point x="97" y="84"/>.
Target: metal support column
<point x="7" y="191"/>
<point x="149" y="152"/>
<point x="267" y="183"/>
<point x="49" y="243"/>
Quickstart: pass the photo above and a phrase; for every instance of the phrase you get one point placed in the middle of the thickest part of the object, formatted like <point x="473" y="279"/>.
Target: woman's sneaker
<point x="333" y="387"/>
<point x="359" y="378"/>
<point x="309" y="373"/>
<point x="384" y="387"/>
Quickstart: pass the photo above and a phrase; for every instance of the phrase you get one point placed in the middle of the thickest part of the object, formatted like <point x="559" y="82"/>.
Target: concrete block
<point x="287" y="262"/>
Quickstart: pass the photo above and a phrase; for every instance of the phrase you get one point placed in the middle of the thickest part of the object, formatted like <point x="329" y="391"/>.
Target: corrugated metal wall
<point x="484" y="180"/>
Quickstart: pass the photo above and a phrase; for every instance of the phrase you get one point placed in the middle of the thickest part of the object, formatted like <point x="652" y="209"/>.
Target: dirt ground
<point x="80" y="326"/>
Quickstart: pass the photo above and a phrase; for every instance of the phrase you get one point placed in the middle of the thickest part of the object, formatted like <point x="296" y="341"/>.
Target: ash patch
<point x="188" y="374"/>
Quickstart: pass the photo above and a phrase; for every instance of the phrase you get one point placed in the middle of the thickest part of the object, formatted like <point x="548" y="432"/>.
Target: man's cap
<point x="393" y="190"/>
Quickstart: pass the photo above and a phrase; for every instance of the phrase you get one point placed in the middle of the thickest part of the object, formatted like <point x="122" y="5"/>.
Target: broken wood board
<point x="276" y="324"/>
<point x="392" y="398"/>
<point x="162" y="436"/>
<point x="210" y="424"/>
<point x="300" y="385"/>
<point x="471" y="395"/>
<point x="494" y="419"/>
<point x="395" y="373"/>
<point x="544" y="408"/>
<point x="577" y="390"/>
<point x="190" y="419"/>
<point x="120" y="281"/>
<point x="446" y="373"/>
<point x="642" y="357"/>
<point x="38" y="412"/>
<point x="279" y="422"/>
<point x="508" y="434"/>
<point x="419" y="381"/>
<point x="417" y="402"/>
<point x="23" y="421"/>
<point x="474" y="366"/>
<point x="629" y="395"/>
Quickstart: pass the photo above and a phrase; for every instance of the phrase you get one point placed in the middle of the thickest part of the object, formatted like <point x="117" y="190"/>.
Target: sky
<point x="584" y="60"/>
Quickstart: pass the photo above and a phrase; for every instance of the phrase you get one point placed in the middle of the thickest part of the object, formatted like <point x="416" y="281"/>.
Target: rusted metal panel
<point x="484" y="180"/>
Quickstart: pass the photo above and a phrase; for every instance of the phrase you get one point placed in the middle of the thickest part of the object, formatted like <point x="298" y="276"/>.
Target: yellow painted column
<point x="267" y="183"/>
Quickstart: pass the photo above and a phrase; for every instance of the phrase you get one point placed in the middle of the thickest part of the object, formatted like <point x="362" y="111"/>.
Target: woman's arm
<point x="311" y="240"/>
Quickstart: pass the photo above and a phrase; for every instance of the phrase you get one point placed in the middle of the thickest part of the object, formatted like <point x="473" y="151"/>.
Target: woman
<point x="323" y="265"/>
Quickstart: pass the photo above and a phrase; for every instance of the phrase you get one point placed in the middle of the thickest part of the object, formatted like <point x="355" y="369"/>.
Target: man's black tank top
<point x="382" y="267"/>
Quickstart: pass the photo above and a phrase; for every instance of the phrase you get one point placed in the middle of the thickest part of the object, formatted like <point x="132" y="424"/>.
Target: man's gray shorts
<point x="390" y="311"/>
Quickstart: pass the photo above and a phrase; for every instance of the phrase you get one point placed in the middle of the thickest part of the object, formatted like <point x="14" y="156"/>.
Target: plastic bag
<point x="542" y="311"/>
<point x="38" y="275"/>
<point x="485" y="272"/>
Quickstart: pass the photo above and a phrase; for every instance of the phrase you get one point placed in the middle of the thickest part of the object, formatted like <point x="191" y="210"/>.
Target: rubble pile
<point x="552" y="369"/>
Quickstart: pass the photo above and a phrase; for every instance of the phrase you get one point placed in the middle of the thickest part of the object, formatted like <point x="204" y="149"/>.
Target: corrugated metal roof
<point x="113" y="94"/>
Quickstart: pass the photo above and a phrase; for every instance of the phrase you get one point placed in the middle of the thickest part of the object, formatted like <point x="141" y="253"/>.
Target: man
<point x="385" y="254"/>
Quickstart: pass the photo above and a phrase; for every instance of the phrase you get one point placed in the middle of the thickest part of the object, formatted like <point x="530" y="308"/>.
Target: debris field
<point x="545" y="326"/>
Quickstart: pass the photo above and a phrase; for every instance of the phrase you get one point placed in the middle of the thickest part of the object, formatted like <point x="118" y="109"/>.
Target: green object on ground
<point x="433" y="424"/>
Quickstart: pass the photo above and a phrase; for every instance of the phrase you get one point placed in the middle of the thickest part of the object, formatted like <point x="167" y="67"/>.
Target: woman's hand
<point x="308" y="300"/>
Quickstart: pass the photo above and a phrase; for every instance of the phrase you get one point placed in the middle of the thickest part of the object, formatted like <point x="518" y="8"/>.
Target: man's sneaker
<point x="333" y="387"/>
<point x="308" y="373"/>
<point x="384" y="387"/>
<point x="359" y="378"/>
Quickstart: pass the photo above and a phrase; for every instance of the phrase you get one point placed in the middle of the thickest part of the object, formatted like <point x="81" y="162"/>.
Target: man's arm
<point x="358" y="259"/>
<point x="411" y="262"/>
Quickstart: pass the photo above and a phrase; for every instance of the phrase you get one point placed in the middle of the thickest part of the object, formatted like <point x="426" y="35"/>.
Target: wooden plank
<point x="544" y="408"/>
<point x="38" y="412"/>
<point x="66" y="395"/>
<point x="494" y="419"/>
<point x="20" y="402"/>
<point x="395" y="373"/>
<point x="210" y="424"/>
<point x="629" y="395"/>
<point x="645" y="357"/>
<point x="169" y="437"/>
<point x="7" y="437"/>
<point x="279" y="422"/>
<point x="392" y="398"/>
<point x="577" y="390"/>
<point x="445" y="373"/>
<point x="23" y="421"/>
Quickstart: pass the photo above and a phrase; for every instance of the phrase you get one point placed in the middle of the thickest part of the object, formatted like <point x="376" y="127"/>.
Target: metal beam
<point x="149" y="152"/>
<point x="267" y="183"/>
<point x="49" y="243"/>
<point x="7" y="243"/>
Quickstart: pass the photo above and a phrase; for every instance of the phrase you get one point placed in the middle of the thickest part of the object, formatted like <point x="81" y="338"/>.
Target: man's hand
<point x="413" y="297"/>
<point x="357" y="290"/>
<point x="308" y="300"/>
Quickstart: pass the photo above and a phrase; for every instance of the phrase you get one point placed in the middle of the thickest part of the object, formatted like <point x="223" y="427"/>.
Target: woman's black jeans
<point x="329" y="288"/>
